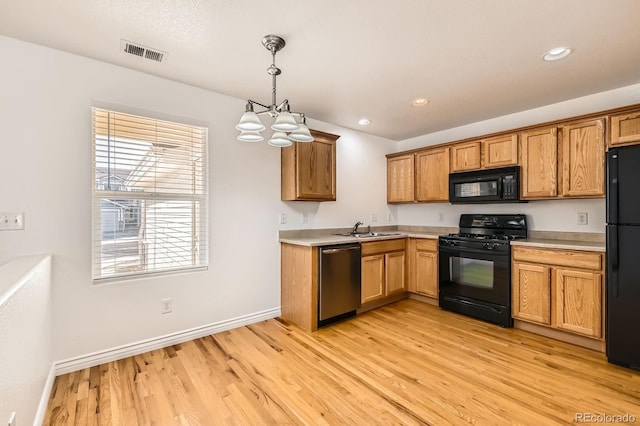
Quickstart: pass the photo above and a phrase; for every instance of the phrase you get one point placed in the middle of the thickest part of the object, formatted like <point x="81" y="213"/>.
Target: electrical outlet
<point x="389" y="217"/>
<point x="11" y="221"/>
<point x="12" y="419"/>
<point x="166" y="306"/>
<point x="282" y="218"/>
<point x="305" y="218"/>
<point x="374" y="217"/>
<point x="583" y="218"/>
<point x="440" y="217"/>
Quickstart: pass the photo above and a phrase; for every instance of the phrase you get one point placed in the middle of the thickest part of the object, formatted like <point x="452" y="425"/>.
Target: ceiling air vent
<point x="142" y="51"/>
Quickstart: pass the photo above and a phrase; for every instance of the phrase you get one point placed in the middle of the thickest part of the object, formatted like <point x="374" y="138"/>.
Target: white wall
<point x="556" y="215"/>
<point x="45" y="172"/>
<point x="25" y="336"/>
<point x="361" y="186"/>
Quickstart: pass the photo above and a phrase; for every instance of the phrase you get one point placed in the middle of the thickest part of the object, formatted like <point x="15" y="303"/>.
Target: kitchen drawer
<point x="426" y="244"/>
<point x="375" y="247"/>
<point x="574" y="259"/>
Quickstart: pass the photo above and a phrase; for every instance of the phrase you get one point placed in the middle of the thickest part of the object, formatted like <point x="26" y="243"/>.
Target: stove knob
<point x="486" y="246"/>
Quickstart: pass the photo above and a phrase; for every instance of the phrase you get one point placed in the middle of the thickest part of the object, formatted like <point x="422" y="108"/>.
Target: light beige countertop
<point x="541" y="239"/>
<point x="324" y="237"/>
<point x="333" y="239"/>
<point x="561" y="244"/>
<point x="325" y="240"/>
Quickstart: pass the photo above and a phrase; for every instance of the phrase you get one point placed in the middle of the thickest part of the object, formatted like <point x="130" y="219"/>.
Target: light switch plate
<point x="583" y="218"/>
<point x="11" y="221"/>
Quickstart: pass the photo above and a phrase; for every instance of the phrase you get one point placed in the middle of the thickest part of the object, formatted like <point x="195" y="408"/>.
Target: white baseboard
<point x="113" y="354"/>
<point x="44" y="399"/>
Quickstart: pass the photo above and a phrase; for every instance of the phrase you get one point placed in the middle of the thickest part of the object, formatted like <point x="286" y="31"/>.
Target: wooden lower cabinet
<point x="561" y="289"/>
<point x="373" y="277"/>
<point x="299" y="285"/>
<point x="383" y="269"/>
<point x="531" y="293"/>
<point x="578" y="302"/>
<point x="394" y="272"/>
<point x="423" y="266"/>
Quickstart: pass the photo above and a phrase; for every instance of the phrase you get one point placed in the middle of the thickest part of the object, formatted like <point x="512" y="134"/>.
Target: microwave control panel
<point x="509" y="187"/>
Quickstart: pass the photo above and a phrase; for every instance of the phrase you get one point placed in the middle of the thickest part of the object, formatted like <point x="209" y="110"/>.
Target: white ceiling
<point x="349" y="59"/>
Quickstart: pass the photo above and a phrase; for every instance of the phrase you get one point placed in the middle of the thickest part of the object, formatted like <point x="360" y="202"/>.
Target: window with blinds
<point x="149" y="195"/>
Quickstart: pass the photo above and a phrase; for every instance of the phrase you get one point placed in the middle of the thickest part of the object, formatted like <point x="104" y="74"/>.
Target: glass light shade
<point x="285" y="122"/>
<point x="249" y="136"/>
<point x="302" y="134"/>
<point x="250" y="122"/>
<point x="280" y="139"/>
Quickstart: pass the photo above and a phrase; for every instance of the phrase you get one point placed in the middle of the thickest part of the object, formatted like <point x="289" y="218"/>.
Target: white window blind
<point x="149" y="195"/>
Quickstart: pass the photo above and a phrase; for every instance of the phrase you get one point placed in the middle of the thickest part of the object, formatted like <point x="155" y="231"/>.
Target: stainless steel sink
<point x="369" y="234"/>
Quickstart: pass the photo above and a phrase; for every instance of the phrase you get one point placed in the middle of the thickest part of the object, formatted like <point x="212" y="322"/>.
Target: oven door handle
<point x="464" y="250"/>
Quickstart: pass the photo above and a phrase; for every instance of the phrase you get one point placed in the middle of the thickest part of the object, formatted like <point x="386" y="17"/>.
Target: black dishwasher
<point x="339" y="282"/>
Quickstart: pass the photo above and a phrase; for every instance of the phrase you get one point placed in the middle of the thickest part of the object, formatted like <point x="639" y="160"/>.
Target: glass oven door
<point x="476" y="274"/>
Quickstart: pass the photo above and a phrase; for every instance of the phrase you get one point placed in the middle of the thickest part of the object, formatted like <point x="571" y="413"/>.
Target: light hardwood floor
<point x="406" y="363"/>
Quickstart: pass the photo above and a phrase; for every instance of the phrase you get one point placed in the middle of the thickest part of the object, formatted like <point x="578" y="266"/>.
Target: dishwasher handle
<point x="340" y="250"/>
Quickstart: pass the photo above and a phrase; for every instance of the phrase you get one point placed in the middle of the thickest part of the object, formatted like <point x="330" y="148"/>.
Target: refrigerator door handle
<point x="612" y="187"/>
<point x="613" y="247"/>
<point x="612" y="254"/>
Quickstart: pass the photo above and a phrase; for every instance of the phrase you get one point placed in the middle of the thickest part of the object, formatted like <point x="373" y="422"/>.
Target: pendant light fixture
<point x="286" y="128"/>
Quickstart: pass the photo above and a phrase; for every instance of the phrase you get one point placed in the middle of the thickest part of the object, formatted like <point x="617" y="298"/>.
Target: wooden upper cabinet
<point x="625" y="129"/>
<point x="500" y="151"/>
<point x="432" y="174"/>
<point x="539" y="163"/>
<point x="465" y="156"/>
<point x="400" y="179"/>
<point x="583" y="159"/>
<point x="309" y="169"/>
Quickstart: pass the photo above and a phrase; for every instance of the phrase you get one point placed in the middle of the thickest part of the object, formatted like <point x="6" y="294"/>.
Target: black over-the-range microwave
<point x="485" y="186"/>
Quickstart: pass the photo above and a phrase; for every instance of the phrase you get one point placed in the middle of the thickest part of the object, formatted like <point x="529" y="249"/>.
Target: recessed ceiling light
<point x="364" y="121"/>
<point x="556" y="53"/>
<point x="419" y="102"/>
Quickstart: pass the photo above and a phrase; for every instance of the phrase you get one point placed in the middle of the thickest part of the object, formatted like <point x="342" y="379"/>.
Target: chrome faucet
<point x="355" y="227"/>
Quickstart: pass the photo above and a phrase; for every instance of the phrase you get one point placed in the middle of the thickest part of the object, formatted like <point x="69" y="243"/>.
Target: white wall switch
<point x="440" y="217"/>
<point x="374" y="217"/>
<point x="11" y="221"/>
<point x="583" y="218"/>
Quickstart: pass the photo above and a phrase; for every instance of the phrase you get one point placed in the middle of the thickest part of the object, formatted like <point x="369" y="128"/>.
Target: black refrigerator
<point x="623" y="256"/>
